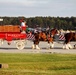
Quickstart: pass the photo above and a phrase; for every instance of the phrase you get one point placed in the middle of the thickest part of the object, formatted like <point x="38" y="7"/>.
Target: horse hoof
<point x="47" y="48"/>
<point x="51" y="47"/>
<point x="67" y="48"/>
<point x="75" y="46"/>
<point x="33" y="46"/>
<point x="38" y="48"/>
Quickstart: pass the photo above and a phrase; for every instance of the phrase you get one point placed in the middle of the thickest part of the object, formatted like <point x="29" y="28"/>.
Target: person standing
<point x="23" y="26"/>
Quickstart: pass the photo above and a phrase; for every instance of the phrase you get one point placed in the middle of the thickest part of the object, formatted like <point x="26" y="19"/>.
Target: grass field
<point x="38" y="64"/>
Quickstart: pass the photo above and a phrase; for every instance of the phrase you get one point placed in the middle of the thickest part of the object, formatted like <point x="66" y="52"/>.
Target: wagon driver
<point x="23" y="26"/>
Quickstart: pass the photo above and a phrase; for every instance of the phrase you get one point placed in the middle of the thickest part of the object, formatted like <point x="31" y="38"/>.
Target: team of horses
<point x="48" y="36"/>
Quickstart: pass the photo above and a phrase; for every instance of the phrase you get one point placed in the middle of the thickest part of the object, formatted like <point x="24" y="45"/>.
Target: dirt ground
<point x="5" y="48"/>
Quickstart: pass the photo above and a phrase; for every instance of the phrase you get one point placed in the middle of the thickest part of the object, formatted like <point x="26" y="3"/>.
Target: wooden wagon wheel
<point x="20" y="45"/>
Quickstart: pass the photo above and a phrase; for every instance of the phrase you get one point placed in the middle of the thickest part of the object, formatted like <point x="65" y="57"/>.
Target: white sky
<point x="32" y="8"/>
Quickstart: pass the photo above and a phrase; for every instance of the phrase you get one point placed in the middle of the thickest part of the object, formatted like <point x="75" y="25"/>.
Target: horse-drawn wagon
<point x="12" y="33"/>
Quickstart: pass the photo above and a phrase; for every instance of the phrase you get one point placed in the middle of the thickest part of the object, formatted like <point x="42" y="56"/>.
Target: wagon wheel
<point x="20" y="45"/>
<point x="1" y="42"/>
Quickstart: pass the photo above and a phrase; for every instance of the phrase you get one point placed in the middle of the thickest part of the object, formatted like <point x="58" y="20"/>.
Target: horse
<point x="44" y="36"/>
<point x="71" y="36"/>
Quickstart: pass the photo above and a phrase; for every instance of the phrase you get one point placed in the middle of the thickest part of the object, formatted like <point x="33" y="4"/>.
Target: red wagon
<point x="10" y="33"/>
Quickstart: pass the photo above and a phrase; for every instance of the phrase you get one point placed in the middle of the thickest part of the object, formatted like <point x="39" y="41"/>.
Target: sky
<point x="33" y="8"/>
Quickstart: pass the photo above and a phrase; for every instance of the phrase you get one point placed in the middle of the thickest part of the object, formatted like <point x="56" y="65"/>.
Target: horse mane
<point x="53" y="32"/>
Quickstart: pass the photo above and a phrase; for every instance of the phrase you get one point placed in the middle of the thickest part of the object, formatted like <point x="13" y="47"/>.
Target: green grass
<point x="38" y="64"/>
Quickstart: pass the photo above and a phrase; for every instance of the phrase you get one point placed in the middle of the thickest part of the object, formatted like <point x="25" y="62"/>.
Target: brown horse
<point x="44" y="36"/>
<point x="68" y="38"/>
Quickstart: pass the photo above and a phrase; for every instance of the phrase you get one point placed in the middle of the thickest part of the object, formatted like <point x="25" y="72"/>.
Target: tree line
<point x="66" y="23"/>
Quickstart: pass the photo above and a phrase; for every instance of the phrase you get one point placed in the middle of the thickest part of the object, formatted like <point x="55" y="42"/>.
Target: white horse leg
<point x="70" y="46"/>
<point x="33" y="46"/>
<point x="48" y="46"/>
<point x="66" y="46"/>
<point x="37" y="47"/>
<point x="51" y="45"/>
